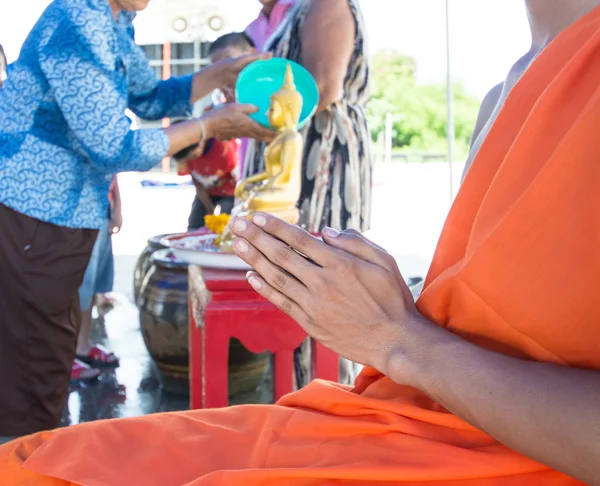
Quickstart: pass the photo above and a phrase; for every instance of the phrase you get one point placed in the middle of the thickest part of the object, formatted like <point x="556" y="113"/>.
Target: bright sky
<point x="487" y="36"/>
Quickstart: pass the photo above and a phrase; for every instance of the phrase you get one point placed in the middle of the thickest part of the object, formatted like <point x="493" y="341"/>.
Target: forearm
<point x="204" y="82"/>
<point x="328" y="95"/>
<point x="328" y="35"/>
<point x="186" y="134"/>
<point x="547" y="412"/>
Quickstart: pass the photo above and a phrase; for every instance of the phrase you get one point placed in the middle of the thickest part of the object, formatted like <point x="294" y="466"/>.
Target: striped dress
<point x="337" y="164"/>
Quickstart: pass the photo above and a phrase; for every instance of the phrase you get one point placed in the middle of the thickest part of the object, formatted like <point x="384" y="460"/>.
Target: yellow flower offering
<point x="216" y="222"/>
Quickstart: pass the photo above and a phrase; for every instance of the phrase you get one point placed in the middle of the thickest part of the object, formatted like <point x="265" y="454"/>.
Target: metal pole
<point x="450" y="103"/>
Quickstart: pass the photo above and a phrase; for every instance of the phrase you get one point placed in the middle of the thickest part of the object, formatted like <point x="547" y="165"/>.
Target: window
<point x="186" y="58"/>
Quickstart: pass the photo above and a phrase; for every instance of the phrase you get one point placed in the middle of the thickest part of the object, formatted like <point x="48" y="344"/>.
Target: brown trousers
<point x="41" y="269"/>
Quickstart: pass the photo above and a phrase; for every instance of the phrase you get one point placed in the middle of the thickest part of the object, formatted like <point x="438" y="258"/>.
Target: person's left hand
<point x="116" y="221"/>
<point x="347" y="292"/>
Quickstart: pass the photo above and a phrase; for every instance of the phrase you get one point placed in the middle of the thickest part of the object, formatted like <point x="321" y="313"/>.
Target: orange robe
<point x="516" y="271"/>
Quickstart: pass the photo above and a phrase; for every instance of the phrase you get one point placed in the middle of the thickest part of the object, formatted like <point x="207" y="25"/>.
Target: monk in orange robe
<point x="493" y="379"/>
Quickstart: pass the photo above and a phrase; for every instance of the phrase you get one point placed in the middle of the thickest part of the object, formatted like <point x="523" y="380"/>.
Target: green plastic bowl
<point x="258" y="81"/>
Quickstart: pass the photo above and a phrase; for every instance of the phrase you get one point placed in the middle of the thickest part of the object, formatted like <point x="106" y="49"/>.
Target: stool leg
<point x="216" y="362"/>
<point x="326" y="363"/>
<point x="195" y="363"/>
<point x="283" y="374"/>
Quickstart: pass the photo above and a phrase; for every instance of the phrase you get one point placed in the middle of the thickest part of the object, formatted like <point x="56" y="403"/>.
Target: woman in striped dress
<point x="328" y="38"/>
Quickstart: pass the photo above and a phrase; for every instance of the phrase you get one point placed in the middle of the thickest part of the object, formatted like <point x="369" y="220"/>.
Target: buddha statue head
<point x="286" y="104"/>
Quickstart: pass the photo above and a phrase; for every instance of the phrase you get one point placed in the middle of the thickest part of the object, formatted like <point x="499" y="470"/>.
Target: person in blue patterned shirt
<point x="63" y="136"/>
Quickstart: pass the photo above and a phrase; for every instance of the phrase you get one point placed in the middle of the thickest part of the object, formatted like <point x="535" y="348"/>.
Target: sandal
<point x="82" y="372"/>
<point x="100" y="357"/>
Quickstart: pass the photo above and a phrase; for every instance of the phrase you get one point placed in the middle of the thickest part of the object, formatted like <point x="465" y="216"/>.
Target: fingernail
<point x="248" y="274"/>
<point x="259" y="220"/>
<point x="330" y="232"/>
<point x="240" y="224"/>
<point x="241" y="246"/>
<point x="255" y="283"/>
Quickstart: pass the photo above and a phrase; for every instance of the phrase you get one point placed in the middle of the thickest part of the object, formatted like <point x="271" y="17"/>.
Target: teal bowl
<point x="258" y="81"/>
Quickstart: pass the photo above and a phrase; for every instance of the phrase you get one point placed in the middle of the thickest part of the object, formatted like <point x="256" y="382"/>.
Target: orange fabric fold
<point x="515" y="271"/>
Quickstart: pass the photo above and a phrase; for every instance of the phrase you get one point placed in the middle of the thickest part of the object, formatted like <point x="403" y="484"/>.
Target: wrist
<point x="208" y="78"/>
<point x="416" y="359"/>
<point x="210" y="129"/>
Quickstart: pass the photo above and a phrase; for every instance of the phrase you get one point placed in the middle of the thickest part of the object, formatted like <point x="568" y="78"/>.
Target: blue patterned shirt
<point x="63" y="128"/>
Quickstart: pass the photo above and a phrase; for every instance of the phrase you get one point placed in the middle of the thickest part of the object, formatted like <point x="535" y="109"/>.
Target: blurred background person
<point x="271" y="16"/>
<point x="328" y="38"/>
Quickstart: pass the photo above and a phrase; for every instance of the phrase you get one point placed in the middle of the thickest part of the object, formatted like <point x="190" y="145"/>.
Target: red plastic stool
<point x="224" y="306"/>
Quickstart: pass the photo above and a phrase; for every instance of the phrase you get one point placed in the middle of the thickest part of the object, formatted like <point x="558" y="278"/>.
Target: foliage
<point x="418" y="111"/>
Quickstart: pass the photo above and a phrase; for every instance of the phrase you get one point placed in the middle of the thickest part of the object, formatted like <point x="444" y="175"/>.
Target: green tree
<point x="418" y="110"/>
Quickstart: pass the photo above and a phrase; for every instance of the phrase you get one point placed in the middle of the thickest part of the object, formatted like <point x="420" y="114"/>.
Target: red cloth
<point x="215" y="169"/>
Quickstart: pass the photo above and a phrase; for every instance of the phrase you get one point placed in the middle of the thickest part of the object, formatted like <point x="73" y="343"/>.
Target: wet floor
<point x="130" y="390"/>
<point x="133" y="389"/>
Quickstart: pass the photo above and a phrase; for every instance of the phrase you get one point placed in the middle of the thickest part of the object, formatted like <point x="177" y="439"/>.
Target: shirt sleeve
<point x="88" y="84"/>
<point x="153" y="99"/>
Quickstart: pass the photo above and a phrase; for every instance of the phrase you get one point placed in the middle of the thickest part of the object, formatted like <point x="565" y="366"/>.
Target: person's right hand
<point x="232" y="121"/>
<point x="226" y="71"/>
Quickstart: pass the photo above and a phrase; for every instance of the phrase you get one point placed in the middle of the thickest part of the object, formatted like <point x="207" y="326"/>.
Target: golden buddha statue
<point x="276" y="190"/>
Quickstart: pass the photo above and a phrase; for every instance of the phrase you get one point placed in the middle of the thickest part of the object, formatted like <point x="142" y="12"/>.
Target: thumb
<point x="255" y="56"/>
<point x="259" y="56"/>
<point x="357" y="245"/>
<point x="248" y="109"/>
<point x="265" y="56"/>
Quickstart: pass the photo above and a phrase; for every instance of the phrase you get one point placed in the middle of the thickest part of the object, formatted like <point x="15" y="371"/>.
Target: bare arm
<point x="486" y="110"/>
<point x="204" y="197"/>
<point x="548" y="413"/>
<point x="182" y="135"/>
<point x="327" y="43"/>
<point x="225" y="123"/>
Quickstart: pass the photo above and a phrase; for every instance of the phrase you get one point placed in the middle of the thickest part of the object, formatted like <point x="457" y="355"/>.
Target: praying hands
<point x="345" y="291"/>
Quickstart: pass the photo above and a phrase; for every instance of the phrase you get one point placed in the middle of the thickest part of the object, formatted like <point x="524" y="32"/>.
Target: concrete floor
<point x="409" y="207"/>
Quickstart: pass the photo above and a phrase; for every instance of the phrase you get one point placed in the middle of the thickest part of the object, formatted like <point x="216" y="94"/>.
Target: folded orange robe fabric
<point x="516" y="271"/>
